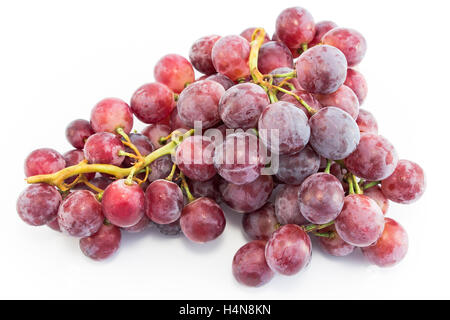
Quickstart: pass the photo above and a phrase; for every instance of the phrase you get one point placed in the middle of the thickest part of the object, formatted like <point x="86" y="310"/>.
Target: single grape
<point x="295" y="27"/>
<point x="273" y="55"/>
<point x="200" y="102"/>
<point x="123" y="205"/>
<point x="143" y="224"/>
<point x="38" y="204"/>
<point x="230" y="57"/>
<point x="241" y="105"/>
<point x="335" y="245"/>
<point x="164" y="201"/>
<point x="104" y="147"/>
<point x="374" y="159"/>
<point x="174" y="71"/>
<point x="171" y="229"/>
<point x="356" y="81"/>
<point x="160" y="168"/>
<point x="367" y="122"/>
<point x="239" y="159"/>
<point x="152" y="102"/>
<point x="260" y="224"/>
<point x="288" y="250"/>
<point x="43" y="161"/>
<point x="378" y="196"/>
<point x="295" y="168"/>
<point x="287" y="207"/>
<point x="344" y="98"/>
<point x="226" y="82"/>
<point x="322" y="27"/>
<point x="305" y="96"/>
<point x="54" y="225"/>
<point x="247" y="197"/>
<point x="103" y="244"/>
<point x="202" y="220"/>
<point x="142" y="143"/>
<point x="360" y="222"/>
<point x="77" y="133"/>
<point x="284" y="128"/>
<point x="209" y="188"/>
<point x="321" y="198"/>
<point x="156" y="131"/>
<point x="334" y="133"/>
<point x="110" y="114"/>
<point x="248" y="33"/>
<point x="80" y="214"/>
<point x="407" y="183"/>
<point x="200" y="54"/>
<point x="390" y="248"/>
<point x="176" y="122"/>
<point x="249" y="265"/>
<point x="321" y="69"/>
<point x="349" y="41"/>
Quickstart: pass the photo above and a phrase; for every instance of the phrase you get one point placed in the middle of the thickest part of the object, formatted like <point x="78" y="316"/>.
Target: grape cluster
<point x="266" y="111"/>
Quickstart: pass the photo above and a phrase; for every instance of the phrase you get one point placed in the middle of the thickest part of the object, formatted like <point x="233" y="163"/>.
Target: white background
<point x="58" y="58"/>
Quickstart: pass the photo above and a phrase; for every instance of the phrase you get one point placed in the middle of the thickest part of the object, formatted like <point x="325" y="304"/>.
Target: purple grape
<point x="335" y="245"/>
<point x="344" y="98"/>
<point x="295" y="26"/>
<point x="295" y="168"/>
<point x="103" y="244"/>
<point x="260" y="224"/>
<point x="287" y="207"/>
<point x="78" y="131"/>
<point x="349" y="41"/>
<point x="274" y="55"/>
<point x="164" y="201"/>
<point x="43" y="161"/>
<point x="104" y="147"/>
<point x="200" y="54"/>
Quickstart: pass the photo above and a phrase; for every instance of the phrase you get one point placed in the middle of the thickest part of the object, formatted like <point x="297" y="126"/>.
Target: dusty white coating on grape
<point x="295" y="168"/>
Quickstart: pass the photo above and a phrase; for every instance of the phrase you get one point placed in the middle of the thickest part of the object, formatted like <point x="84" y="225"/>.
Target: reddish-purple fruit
<point x="156" y="131"/>
<point x="160" y="168"/>
<point x="74" y="157"/>
<point x="194" y="157"/>
<point x="103" y="244"/>
<point x="356" y="81"/>
<point x="230" y="57"/>
<point x="277" y="81"/>
<point x="43" y="161"/>
<point x="104" y="147"/>
<point x="407" y="183"/>
<point x="123" y="204"/>
<point x="349" y="41"/>
<point x="248" y="33"/>
<point x="260" y="224"/>
<point x="80" y="214"/>
<point x="226" y="82"/>
<point x="152" y="103"/>
<point x="143" y="224"/>
<point x="390" y="248"/>
<point x="322" y="27"/>
<point x="38" y="204"/>
<point x="367" y="122"/>
<point x="288" y="250"/>
<point x="77" y="133"/>
<point x="295" y="27"/>
<point x="176" y="122"/>
<point x="334" y="245"/>
<point x="202" y="220"/>
<point x="305" y="96"/>
<point x="164" y="201"/>
<point x="378" y="196"/>
<point x="287" y="206"/>
<point x="374" y="159"/>
<point x="294" y="169"/>
<point x="249" y="265"/>
<point x="209" y="188"/>
<point x="274" y="55"/>
<point x="344" y="98"/>
<point x="171" y="229"/>
<point x="360" y="222"/>
<point x="174" y="71"/>
<point x="54" y="225"/>
<point x="110" y="114"/>
<point x="200" y="54"/>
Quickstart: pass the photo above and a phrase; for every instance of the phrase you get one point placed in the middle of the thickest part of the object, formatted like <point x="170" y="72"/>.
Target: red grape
<point x="247" y="197"/>
<point x="374" y="159"/>
<point x="273" y="55"/>
<point x="143" y="224"/>
<point x="202" y="220"/>
<point x="110" y="114"/>
<point x="321" y="198"/>
<point x="142" y="143"/>
<point x="164" y="201"/>
<point x="230" y="57"/>
<point x="226" y="82"/>
<point x="289" y="123"/>
<point x="378" y="196"/>
<point x="176" y="122"/>
<point x="200" y="102"/>
<point x="54" y="225"/>
<point x="335" y="245"/>
<point x="361" y="221"/>
<point x="305" y="96"/>
<point x="171" y="229"/>
<point x="248" y="33"/>
<point x="38" y="204"/>
<point x="344" y="98"/>
<point x="322" y="27"/>
<point x="43" y="161"/>
<point x="288" y="250"/>
<point x="156" y="131"/>
<point x="356" y="81"/>
<point x="78" y="131"/>
<point x="277" y="81"/>
<point x="287" y="207"/>
<point x="123" y="205"/>
<point x="295" y="168"/>
<point x="295" y="26"/>
<point x="194" y="157"/>
<point x="80" y="214"/>
<point x="152" y="102"/>
<point x="200" y="54"/>
<point x="104" y="147"/>
<point x="241" y="105"/>
<point x="407" y="183"/>
<point x="349" y="41"/>
<point x="367" y="122"/>
<point x="249" y="265"/>
<point x="321" y="69"/>
<point x="103" y="244"/>
<point x="334" y="133"/>
<point x="260" y="224"/>
<point x="160" y="168"/>
<point x="209" y="188"/>
<point x="174" y="71"/>
<point x="390" y="248"/>
<point x="74" y="157"/>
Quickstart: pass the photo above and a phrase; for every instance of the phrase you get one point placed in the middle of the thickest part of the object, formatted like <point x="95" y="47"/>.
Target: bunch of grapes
<point x="266" y="112"/>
